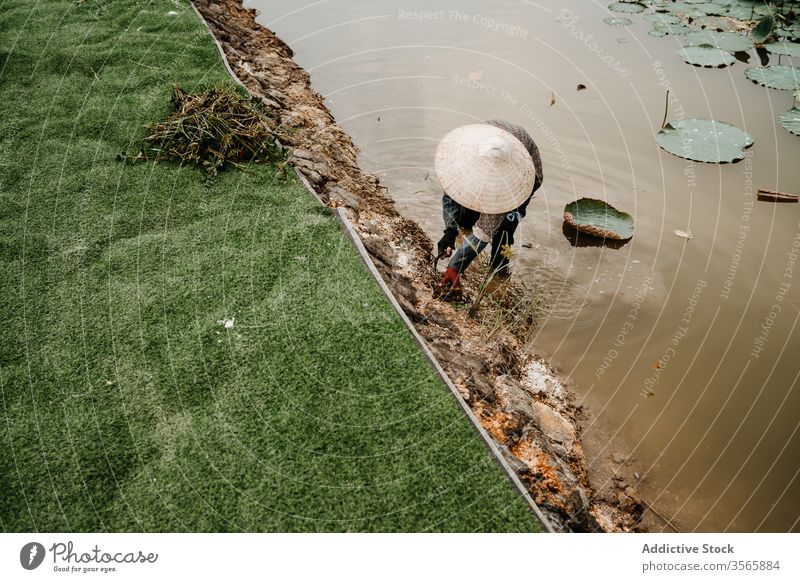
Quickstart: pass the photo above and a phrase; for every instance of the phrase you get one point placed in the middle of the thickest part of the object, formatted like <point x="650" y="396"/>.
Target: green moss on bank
<point x="126" y="404"/>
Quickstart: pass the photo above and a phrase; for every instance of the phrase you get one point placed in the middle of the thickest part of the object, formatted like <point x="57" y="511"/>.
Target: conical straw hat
<point x="484" y="168"/>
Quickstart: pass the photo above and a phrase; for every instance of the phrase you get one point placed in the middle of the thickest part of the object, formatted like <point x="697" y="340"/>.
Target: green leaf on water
<point x="621" y="21"/>
<point x="704" y="140"/>
<point x="597" y="218"/>
<point x="747" y="10"/>
<point x="790" y="120"/>
<point x="706" y="56"/>
<point x="787" y="33"/>
<point x="725" y="41"/>
<point x="763" y="29"/>
<point x="682" y="8"/>
<point x="660" y="18"/>
<point x="626" y="7"/>
<point x="664" y="29"/>
<point x="775" y="77"/>
<point x="790" y="49"/>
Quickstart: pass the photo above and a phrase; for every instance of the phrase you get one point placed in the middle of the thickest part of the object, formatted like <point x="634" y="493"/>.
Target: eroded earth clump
<point x="517" y="398"/>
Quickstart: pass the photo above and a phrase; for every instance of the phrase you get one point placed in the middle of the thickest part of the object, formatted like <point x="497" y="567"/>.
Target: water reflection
<point x="717" y="445"/>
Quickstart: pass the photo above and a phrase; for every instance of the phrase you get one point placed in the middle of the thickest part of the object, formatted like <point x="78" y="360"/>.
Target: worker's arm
<point x="473" y="244"/>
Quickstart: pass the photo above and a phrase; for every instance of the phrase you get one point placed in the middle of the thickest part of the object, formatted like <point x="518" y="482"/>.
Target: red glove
<point x="450" y="278"/>
<point x="450" y="287"/>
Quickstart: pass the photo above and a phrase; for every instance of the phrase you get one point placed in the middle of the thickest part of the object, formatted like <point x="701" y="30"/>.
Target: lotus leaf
<point x="629" y="8"/>
<point x="763" y="29"/>
<point x="704" y="140"/>
<point x="725" y="41"/>
<point x="790" y="49"/>
<point x="660" y="18"/>
<point x="622" y="21"/>
<point x="682" y="8"/>
<point x="775" y="77"/>
<point x="788" y="33"/>
<point x="597" y="218"/>
<point x="747" y="10"/>
<point x="706" y="56"/>
<point x="790" y="120"/>
<point x="671" y="29"/>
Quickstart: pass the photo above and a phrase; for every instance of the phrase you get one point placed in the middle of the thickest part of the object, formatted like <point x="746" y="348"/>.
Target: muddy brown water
<point x="685" y="352"/>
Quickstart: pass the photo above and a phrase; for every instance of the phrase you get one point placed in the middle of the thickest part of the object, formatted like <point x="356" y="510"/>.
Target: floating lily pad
<point x="787" y="33"/>
<point x="597" y="218"/>
<point x="660" y="18"/>
<point x="621" y="21"/>
<point x="790" y="120"/>
<point x="665" y="29"/>
<point x="790" y="49"/>
<point x="712" y="9"/>
<point x="763" y="29"/>
<point x="775" y="77"/>
<point x="724" y="41"/>
<point x="704" y="140"/>
<point x="747" y="10"/>
<point x="682" y="8"/>
<point x="706" y="56"/>
<point x="626" y="7"/>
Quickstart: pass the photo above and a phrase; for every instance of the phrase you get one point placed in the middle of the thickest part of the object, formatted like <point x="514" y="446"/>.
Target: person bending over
<point x="489" y="172"/>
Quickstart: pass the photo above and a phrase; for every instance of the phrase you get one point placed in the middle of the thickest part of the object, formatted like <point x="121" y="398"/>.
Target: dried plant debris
<point x="212" y="129"/>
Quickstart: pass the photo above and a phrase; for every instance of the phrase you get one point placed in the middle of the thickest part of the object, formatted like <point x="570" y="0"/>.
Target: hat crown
<point x="495" y="149"/>
<point x="485" y="168"/>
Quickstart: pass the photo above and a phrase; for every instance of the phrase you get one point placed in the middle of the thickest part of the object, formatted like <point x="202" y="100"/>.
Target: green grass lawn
<point x="126" y="404"/>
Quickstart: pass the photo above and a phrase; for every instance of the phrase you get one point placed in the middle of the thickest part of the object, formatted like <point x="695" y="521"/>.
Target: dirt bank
<point x="517" y="397"/>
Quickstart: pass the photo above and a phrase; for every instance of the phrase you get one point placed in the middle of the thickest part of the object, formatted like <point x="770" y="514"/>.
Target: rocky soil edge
<point x="518" y="398"/>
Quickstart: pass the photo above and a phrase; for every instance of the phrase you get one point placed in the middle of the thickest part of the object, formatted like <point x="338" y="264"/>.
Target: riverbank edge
<point x="524" y="413"/>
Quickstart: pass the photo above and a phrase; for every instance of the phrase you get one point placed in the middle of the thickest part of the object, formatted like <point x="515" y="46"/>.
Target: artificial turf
<point x="127" y="404"/>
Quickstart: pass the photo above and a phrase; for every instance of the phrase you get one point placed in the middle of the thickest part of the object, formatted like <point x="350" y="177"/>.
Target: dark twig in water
<point x="666" y="110"/>
<point x="660" y="516"/>
<point x="775" y="196"/>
